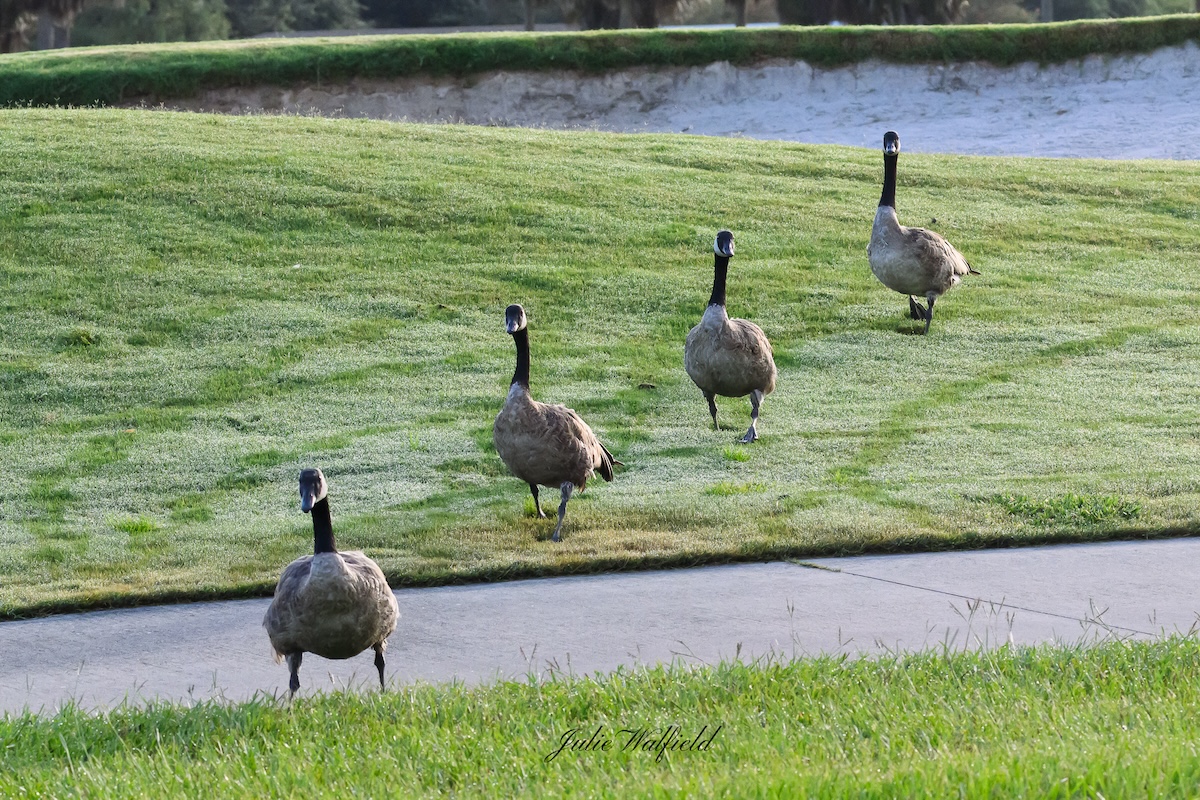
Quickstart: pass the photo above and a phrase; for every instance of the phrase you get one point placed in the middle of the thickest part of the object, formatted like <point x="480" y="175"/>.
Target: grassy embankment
<point x="194" y="307"/>
<point x="154" y="73"/>
<point x="1118" y="720"/>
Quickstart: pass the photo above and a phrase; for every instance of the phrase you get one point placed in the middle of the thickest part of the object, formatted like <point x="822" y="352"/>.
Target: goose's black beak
<point x="306" y="500"/>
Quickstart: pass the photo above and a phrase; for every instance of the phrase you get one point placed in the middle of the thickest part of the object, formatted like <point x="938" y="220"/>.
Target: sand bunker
<point x="1129" y="106"/>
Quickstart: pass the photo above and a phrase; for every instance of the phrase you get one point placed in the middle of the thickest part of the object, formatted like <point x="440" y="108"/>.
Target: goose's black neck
<point x="720" y="270"/>
<point x="322" y="528"/>
<point x="521" y="374"/>
<point x="889" y="181"/>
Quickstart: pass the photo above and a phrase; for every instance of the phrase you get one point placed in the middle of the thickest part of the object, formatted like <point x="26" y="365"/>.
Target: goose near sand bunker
<point x="912" y="261"/>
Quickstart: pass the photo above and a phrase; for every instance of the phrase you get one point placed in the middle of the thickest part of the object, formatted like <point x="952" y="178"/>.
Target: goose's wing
<point x="374" y="595"/>
<point x="282" y="617"/>
<point x="936" y="254"/>
<point x="759" y="357"/>
<point x="747" y="337"/>
<point x="578" y="446"/>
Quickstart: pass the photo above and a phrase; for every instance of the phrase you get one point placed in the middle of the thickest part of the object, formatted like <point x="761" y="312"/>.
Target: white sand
<point x="1138" y="106"/>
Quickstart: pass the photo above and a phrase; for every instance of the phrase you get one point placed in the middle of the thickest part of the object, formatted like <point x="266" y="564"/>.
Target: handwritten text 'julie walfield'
<point x="646" y="740"/>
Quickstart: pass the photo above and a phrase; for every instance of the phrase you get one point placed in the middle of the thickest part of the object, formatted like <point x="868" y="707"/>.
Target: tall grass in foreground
<point x="1115" y="720"/>
<point x="193" y="307"/>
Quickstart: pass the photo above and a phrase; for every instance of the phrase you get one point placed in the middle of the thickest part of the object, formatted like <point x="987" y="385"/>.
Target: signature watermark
<point x="645" y="740"/>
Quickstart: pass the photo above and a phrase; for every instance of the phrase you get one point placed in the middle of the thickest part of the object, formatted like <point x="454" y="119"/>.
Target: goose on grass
<point x="544" y="444"/>
<point x="911" y="261"/>
<point x="729" y="357"/>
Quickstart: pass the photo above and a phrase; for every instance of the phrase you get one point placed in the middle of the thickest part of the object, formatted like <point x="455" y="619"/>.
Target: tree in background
<point x="999" y="12"/>
<point x="1088" y="9"/>
<point x="871" y="12"/>
<point x="252" y="17"/>
<point x="15" y="22"/>
<point x="122" y="21"/>
<point x="597" y="14"/>
<point x="918" y="12"/>
<point x="50" y="19"/>
<point x="447" y="13"/>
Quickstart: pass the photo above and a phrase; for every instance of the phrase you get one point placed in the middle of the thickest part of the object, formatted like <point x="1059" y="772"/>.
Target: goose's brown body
<point x="335" y="605"/>
<point x="544" y="444"/>
<point x="913" y="261"/>
<point x="729" y="357"/>
<point x="548" y="444"/>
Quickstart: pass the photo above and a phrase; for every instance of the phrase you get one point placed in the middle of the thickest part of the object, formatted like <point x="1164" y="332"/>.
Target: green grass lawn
<point x="165" y="72"/>
<point x="1116" y="720"/>
<point x="195" y="306"/>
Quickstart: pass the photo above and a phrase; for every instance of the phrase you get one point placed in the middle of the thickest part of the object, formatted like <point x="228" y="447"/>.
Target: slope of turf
<point x="1116" y="720"/>
<point x="154" y="73"/>
<point x="194" y="307"/>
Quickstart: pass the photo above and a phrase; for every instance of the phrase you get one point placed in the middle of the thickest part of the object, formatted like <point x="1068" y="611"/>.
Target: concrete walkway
<point x="582" y="625"/>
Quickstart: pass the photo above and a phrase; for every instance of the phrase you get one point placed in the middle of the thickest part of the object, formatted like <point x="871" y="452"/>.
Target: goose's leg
<point x="537" y="503"/>
<point x="929" y="312"/>
<point x="379" y="663"/>
<point x="915" y="309"/>
<point x="567" y="488"/>
<point x="293" y="662"/>
<point x="712" y="408"/>
<point x="756" y="398"/>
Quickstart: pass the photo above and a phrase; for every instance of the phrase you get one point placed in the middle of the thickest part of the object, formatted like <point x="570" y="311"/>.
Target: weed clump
<point x="1069" y="509"/>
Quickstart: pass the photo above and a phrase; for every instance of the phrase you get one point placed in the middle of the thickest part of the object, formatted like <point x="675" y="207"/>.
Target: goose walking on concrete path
<point x="335" y="604"/>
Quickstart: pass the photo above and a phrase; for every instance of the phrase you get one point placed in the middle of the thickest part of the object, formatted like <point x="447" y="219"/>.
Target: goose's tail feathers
<point x="607" y="463"/>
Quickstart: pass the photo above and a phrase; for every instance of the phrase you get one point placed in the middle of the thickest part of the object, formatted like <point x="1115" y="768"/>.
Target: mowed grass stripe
<point x="195" y="306"/>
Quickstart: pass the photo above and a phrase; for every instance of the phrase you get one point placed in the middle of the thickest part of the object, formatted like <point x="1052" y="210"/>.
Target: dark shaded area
<point x="449" y="13"/>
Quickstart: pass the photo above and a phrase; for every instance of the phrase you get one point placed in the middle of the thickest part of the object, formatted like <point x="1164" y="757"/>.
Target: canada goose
<point x="912" y="261"/>
<point x="334" y="604"/>
<point x="728" y="357"/>
<point x="542" y="443"/>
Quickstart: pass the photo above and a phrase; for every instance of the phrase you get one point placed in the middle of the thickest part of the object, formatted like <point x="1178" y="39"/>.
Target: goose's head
<point x="312" y="488"/>
<point x="723" y="246"/>
<point x="891" y="143"/>
<point x="514" y="318"/>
